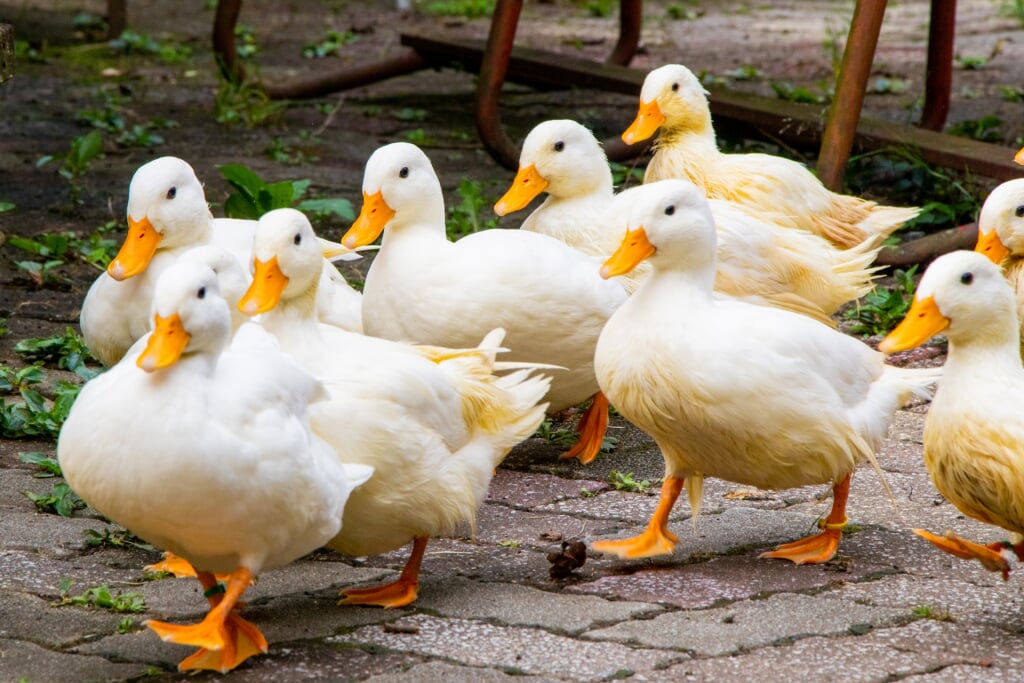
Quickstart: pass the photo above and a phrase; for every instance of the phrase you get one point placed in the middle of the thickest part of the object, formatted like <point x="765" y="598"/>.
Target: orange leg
<point x="989" y="555"/>
<point x="225" y="639"/>
<point x="172" y="564"/>
<point x="178" y="566"/>
<point x="397" y="593"/>
<point x="656" y="539"/>
<point x="591" y="428"/>
<point x="820" y="547"/>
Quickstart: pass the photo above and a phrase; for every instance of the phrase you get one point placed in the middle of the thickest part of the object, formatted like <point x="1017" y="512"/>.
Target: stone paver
<point x="516" y="649"/>
<point x="20" y="659"/>
<point x="815" y="660"/>
<point x="749" y="624"/>
<point x="723" y="579"/>
<point x="442" y="671"/>
<point x="522" y="606"/>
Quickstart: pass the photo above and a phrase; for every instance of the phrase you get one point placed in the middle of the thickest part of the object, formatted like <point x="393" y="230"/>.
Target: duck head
<point x="166" y="208"/>
<point x="673" y="98"/>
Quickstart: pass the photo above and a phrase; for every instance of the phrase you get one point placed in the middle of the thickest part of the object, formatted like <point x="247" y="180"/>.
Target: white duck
<point x="779" y="190"/>
<point x="423" y="288"/>
<point x="433" y="422"/>
<point x="974" y="432"/>
<point x="204" y="449"/>
<point x="1001" y="235"/>
<point x="750" y="394"/>
<point x="167" y="215"/>
<point x="767" y="263"/>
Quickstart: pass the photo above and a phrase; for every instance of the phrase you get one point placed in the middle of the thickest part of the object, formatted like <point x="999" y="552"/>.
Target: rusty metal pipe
<point x="400" y="64"/>
<point x="939" y="72"/>
<point x="631" y="18"/>
<point x="931" y="246"/>
<point x="493" y="69"/>
<point x="844" y="114"/>
<point x="117" y="18"/>
<point x="224" y="21"/>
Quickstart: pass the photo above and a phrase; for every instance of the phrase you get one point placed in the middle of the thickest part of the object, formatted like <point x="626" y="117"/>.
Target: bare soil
<point x="328" y="140"/>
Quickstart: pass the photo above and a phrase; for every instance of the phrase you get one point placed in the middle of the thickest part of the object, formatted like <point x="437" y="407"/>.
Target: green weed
<point x="625" y="176"/>
<point x="678" y="12"/>
<point x="624" y="481"/>
<point x="880" y="310"/>
<point x="561" y="438"/>
<point x="48" y="466"/>
<point x="985" y="129"/>
<point x="7" y="206"/>
<point x="132" y="43"/>
<point x="926" y="611"/>
<point x="101" y="596"/>
<point x="329" y="45"/>
<point x="114" y="538"/>
<point x="465" y="217"/>
<point x="471" y="9"/>
<point x="34" y="415"/>
<point x="125" y="625"/>
<point x="253" y="196"/>
<point x="278" y="150"/>
<point x="787" y="91"/>
<point x="246" y="103"/>
<point x="61" y="500"/>
<point x="67" y="351"/>
<point x="83" y="150"/>
<point x="948" y="198"/>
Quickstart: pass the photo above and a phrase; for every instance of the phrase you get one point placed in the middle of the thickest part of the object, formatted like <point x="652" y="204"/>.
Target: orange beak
<point x="268" y="282"/>
<point x="527" y="184"/>
<point x="166" y="343"/>
<point x="991" y="246"/>
<point x="137" y="250"/>
<point x="1019" y="156"/>
<point x="372" y="220"/>
<point x="648" y="119"/>
<point x="923" y="321"/>
<point x="634" y="248"/>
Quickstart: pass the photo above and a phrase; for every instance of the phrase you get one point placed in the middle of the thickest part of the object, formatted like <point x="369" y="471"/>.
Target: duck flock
<point x="256" y="407"/>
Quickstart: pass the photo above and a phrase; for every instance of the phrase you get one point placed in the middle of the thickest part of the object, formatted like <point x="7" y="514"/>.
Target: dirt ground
<point x="72" y="72"/>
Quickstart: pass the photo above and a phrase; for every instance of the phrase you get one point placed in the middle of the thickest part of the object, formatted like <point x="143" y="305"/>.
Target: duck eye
<point x="669" y="210"/>
<point x="1019" y="211"/>
<point x="172" y="192"/>
<point x="404" y="173"/>
<point x="559" y="146"/>
<point x="298" y="238"/>
<point x="967" y="278"/>
<point x="201" y="294"/>
<point x="675" y="87"/>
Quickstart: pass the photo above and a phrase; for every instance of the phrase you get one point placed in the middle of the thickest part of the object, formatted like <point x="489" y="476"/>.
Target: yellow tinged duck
<point x="765" y="263"/>
<point x="750" y="394"/>
<point x="167" y="216"/>
<point x="974" y="431"/>
<point x="779" y="190"/>
<point x="423" y="288"/>
<point x="433" y="422"/>
<point x="1001" y="236"/>
<point x="204" y="448"/>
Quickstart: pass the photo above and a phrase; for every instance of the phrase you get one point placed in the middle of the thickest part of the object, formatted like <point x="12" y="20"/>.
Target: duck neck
<point x="694" y="129"/>
<point x="293" y="314"/>
<point x="425" y="222"/>
<point x="678" y="288"/>
<point x="996" y="354"/>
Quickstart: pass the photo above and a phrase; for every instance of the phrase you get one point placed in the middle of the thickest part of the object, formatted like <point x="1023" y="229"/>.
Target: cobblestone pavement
<point x="889" y="607"/>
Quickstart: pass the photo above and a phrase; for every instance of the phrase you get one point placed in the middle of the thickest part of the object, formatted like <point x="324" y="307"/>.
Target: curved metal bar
<point x="224" y="40"/>
<point x="844" y="114"/>
<point x="939" y="72"/>
<point x="492" y="75"/>
<point x="631" y="18"/>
